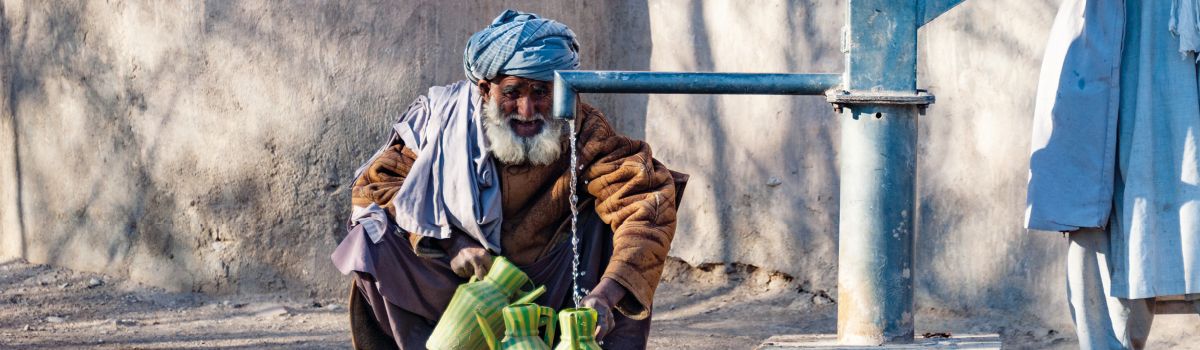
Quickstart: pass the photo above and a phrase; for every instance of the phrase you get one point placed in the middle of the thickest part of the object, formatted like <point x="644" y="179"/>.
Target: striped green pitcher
<point x="458" y="328"/>
<point x="578" y="329"/>
<point x="521" y="322"/>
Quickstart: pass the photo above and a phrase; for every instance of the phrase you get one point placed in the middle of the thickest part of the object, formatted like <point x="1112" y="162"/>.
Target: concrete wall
<point x="206" y="145"/>
<point x="973" y="262"/>
<point x="983" y="61"/>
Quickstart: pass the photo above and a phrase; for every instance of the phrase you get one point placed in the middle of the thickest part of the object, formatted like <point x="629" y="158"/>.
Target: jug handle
<point x="528" y="283"/>
<point x="488" y="336"/>
<point x="528" y="298"/>
<point x="547" y="316"/>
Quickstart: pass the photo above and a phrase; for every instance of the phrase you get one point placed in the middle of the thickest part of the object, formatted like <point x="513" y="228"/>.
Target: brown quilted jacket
<point x="634" y="193"/>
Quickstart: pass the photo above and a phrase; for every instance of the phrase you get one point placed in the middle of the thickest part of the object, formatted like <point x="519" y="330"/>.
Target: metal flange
<point x="841" y="98"/>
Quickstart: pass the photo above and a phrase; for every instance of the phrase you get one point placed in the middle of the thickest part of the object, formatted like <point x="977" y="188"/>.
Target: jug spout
<point x="528" y="298"/>
<point x="488" y="336"/>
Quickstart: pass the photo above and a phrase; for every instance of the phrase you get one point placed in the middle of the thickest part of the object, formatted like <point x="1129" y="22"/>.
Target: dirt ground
<point x="706" y="307"/>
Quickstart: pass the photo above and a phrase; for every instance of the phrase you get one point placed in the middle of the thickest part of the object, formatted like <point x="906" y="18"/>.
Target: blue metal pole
<point x="928" y="10"/>
<point x="567" y="84"/>
<point x="879" y="103"/>
<point x="878" y="176"/>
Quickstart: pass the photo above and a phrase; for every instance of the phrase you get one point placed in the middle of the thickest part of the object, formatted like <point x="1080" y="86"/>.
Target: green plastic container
<point x="521" y="323"/>
<point x="578" y="329"/>
<point x="458" y="328"/>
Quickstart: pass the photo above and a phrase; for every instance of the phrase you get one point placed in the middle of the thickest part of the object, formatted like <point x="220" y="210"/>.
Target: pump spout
<point x="564" y="98"/>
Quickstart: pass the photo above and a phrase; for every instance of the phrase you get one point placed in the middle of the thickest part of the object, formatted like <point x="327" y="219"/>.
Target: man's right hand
<point x="468" y="257"/>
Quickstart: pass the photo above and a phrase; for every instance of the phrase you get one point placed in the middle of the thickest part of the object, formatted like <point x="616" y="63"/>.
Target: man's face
<point x="516" y="120"/>
<point x="526" y="100"/>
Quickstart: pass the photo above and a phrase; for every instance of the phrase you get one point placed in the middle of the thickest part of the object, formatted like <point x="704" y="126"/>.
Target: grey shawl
<point x="452" y="185"/>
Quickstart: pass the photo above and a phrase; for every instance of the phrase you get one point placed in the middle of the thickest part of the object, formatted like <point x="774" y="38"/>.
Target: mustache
<point x="519" y="117"/>
<point x="515" y="116"/>
<point x="497" y="118"/>
<point x="511" y="148"/>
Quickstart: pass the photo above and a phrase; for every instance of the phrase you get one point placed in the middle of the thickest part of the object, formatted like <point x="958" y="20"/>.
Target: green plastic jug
<point x="458" y="328"/>
<point x="521" y="322"/>
<point x="578" y="329"/>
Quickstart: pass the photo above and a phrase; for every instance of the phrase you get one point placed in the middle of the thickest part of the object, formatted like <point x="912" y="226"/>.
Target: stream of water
<point x="576" y="292"/>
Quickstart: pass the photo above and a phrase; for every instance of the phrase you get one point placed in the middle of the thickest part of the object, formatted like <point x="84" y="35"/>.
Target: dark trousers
<point x="406" y="295"/>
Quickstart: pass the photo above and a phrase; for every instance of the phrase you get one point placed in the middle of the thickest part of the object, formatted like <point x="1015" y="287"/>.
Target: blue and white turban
<point x="521" y="44"/>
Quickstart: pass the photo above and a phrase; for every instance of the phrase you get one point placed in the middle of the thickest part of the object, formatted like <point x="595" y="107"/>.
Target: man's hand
<point x="602" y="298"/>
<point x="468" y="257"/>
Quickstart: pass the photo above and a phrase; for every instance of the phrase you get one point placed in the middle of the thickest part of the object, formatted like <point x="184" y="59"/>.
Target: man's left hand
<point x="602" y="298"/>
<point x="468" y="257"/>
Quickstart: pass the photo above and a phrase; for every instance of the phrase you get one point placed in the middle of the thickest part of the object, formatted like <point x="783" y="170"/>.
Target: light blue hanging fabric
<point x="520" y="44"/>
<point x="1185" y="23"/>
<point x="1073" y="143"/>
<point x="1155" y="230"/>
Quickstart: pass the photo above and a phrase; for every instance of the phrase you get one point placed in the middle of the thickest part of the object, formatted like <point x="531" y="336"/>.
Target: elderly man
<point x="479" y="168"/>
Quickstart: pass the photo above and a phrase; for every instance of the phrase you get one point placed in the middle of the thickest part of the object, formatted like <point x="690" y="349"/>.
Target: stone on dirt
<point x="804" y="302"/>
<point x="272" y="310"/>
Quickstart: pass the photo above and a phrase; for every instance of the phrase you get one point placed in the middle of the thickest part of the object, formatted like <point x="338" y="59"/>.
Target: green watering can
<point x="521" y="322"/>
<point x="578" y="329"/>
<point x="458" y="328"/>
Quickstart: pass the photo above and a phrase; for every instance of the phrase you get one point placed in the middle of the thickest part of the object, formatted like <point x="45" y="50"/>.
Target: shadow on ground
<point x="53" y="308"/>
<point x="715" y="306"/>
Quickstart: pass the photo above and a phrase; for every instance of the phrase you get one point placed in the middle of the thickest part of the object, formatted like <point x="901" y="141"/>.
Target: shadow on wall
<point x="208" y="146"/>
<point x="736" y="146"/>
<point x="621" y="43"/>
<point x="10" y="100"/>
<point x="51" y="53"/>
<point x="117" y="192"/>
<point x="973" y="258"/>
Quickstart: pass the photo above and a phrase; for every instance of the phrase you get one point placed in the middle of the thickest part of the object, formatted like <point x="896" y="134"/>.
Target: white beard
<point x="510" y="148"/>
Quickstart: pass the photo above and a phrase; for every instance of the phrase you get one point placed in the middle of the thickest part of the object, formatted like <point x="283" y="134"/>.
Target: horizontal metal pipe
<point x="700" y="83"/>
<point x="569" y="83"/>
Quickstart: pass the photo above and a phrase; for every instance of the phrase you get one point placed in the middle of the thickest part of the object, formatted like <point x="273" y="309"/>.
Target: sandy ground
<point x="711" y="307"/>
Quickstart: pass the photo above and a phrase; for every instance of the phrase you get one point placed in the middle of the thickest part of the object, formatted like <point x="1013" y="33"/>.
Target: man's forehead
<point x="515" y="81"/>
